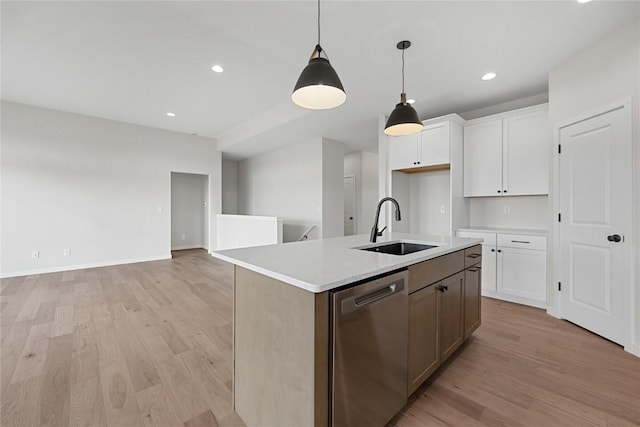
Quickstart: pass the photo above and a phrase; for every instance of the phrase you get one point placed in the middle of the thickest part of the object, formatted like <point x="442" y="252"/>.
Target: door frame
<point x="555" y="309"/>
<point x="355" y="203"/>
<point x="207" y="215"/>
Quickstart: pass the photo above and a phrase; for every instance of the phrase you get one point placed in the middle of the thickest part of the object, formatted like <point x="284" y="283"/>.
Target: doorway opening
<point x="189" y="211"/>
<point x="350" y="205"/>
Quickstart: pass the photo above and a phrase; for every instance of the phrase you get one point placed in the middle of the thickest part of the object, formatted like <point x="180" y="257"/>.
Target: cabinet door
<point x="450" y="305"/>
<point x="423" y="336"/>
<point x="472" y="303"/>
<point x="434" y="144"/>
<point x="488" y="256"/>
<point x="489" y="260"/>
<point x="403" y="151"/>
<point x="523" y="273"/>
<point x="483" y="159"/>
<point x="526" y="154"/>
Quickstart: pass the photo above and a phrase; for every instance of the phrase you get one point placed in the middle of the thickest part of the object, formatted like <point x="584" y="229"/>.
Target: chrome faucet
<point x="374" y="231"/>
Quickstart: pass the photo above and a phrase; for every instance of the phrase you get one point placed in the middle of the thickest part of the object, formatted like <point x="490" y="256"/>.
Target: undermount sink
<point x="398" y="248"/>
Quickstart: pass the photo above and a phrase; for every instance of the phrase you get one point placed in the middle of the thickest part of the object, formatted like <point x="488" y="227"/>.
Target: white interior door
<point x="595" y="204"/>
<point x="349" y="205"/>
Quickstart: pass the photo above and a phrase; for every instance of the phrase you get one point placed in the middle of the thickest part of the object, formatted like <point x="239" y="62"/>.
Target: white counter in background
<point x="241" y="231"/>
<point x="322" y="265"/>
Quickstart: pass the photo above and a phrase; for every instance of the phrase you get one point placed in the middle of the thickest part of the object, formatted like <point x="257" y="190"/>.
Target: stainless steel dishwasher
<point x="369" y="352"/>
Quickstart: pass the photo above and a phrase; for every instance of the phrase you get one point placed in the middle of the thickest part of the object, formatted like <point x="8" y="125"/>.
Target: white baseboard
<point x="633" y="349"/>
<point x="516" y="299"/>
<point x="44" y="270"/>
<point x="182" y="248"/>
<point x="554" y="312"/>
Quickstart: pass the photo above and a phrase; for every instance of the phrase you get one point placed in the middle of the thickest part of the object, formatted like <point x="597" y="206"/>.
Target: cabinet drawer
<point x="434" y="270"/>
<point x="488" y="239"/>
<point x="472" y="256"/>
<point x="522" y="241"/>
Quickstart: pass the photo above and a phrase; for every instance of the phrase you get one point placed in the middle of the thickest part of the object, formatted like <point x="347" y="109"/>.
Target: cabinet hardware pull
<point x="499" y="191"/>
<point x="504" y="191"/>
<point x="499" y="250"/>
<point x="520" y="241"/>
<point x="493" y="250"/>
<point x="443" y="289"/>
<point x="474" y="269"/>
<point x="473" y="255"/>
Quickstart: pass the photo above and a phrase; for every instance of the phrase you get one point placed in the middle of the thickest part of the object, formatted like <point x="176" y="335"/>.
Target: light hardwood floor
<point x="150" y="344"/>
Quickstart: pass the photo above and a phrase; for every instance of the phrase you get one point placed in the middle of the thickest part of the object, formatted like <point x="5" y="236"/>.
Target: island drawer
<point x="434" y="270"/>
<point x="472" y="255"/>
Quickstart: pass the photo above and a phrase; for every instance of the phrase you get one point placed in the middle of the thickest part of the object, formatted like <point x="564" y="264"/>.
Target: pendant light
<point x="318" y="87"/>
<point x="403" y="119"/>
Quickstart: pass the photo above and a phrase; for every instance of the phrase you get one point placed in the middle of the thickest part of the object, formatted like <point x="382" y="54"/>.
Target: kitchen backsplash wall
<point x="516" y="212"/>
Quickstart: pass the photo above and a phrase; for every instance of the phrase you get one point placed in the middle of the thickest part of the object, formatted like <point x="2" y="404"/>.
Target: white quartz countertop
<point x="322" y="265"/>
<point x="506" y="230"/>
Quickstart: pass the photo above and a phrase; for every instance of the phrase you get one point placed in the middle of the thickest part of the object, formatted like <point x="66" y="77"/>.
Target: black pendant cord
<point x="318" y="48"/>
<point x="402" y="71"/>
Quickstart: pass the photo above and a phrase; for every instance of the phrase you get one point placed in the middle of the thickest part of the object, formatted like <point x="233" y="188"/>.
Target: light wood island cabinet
<point x="283" y="334"/>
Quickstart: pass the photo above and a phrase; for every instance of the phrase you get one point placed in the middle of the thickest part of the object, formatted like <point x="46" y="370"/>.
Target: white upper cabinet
<point x="507" y="154"/>
<point x="403" y="151"/>
<point x="483" y="159"/>
<point x="526" y="153"/>
<point x="427" y="148"/>
<point x="434" y="144"/>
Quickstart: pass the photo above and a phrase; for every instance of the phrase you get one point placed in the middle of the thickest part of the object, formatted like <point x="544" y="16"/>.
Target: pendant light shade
<point x="404" y="119"/>
<point x="318" y="87"/>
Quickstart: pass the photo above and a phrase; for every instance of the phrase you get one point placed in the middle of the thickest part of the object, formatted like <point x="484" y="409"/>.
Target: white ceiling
<point x="135" y="61"/>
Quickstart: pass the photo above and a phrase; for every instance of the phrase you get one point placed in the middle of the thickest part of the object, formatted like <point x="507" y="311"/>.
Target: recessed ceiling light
<point x="217" y="69"/>
<point x="489" y="76"/>
<point x="411" y="101"/>
<point x="171" y="114"/>
<point x="584" y="1"/>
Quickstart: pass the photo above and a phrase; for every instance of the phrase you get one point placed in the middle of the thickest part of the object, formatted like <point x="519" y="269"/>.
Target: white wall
<point x="288" y="183"/>
<point x="420" y="196"/>
<point x="189" y="227"/>
<point x="229" y="187"/>
<point x="605" y="73"/>
<point x="364" y="166"/>
<point x="525" y="212"/>
<point x="332" y="188"/>
<point x="529" y="101"/>
<point x="428" y="192"/>
<point x="369" y="191"/>
<point x="93" y="186"/>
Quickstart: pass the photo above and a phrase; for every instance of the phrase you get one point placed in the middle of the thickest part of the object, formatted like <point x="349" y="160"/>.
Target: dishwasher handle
<point x="356" y="302"/>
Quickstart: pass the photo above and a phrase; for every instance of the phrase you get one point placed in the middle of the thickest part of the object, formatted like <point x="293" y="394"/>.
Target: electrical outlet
<point x="184" y="237"/>
<point x="66" y="252"/>
<point x="443" y="209"/>
<point x="35" y="254"/>
<point x="507" y="210"/>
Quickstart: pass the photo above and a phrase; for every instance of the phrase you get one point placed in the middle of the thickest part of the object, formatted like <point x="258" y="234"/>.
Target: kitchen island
<point x="285" y="344"/>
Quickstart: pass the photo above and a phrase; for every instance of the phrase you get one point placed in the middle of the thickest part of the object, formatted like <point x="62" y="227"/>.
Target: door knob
<point x="350" y="217"/>
<point x="614" y="238"/>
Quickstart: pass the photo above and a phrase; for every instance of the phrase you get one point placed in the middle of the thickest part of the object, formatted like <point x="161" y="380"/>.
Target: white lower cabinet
<point x="514" y="266"/>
